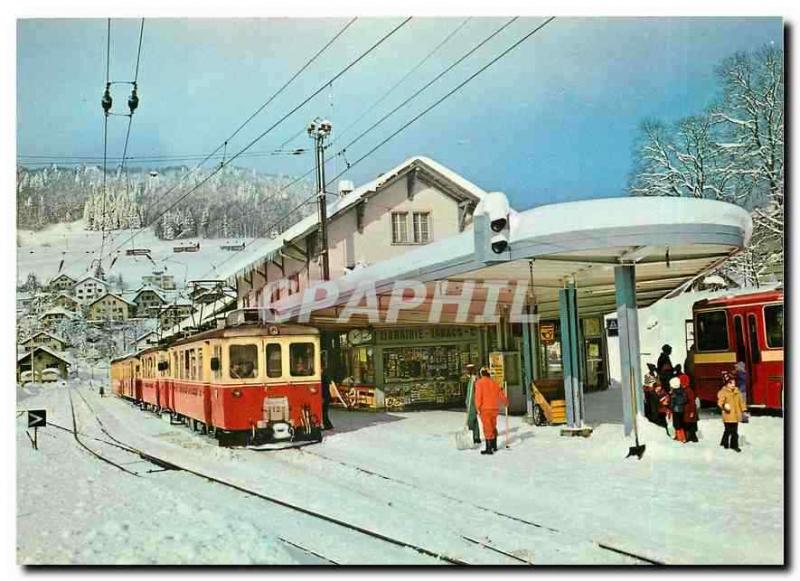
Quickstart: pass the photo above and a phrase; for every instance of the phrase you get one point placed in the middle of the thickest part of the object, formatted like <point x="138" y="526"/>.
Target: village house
<point x="44" y="339"/>
<point x="89" y="289"/>
<point x="34" y="365"/>
<point x="109" y="307"/>
<point x="146" y="340"/>
<point x="67" y="302"/>
<point x="148" y="300"/>
<point x="160" y="280"/>
<point x="171" y="315"/>
<point x="62" y="282"/>
<point x="56" y="315"/>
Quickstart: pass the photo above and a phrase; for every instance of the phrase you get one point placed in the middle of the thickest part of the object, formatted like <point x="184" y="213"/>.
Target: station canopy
<point x="671" y="241"/>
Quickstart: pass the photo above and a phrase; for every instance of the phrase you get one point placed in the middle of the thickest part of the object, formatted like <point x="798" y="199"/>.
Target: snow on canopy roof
<point x="266" y="249"/>
<point x="600" y="227"/>
<point x="55" y="354"/>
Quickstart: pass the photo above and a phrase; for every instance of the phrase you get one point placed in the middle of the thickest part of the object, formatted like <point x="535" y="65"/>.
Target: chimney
<point x="345" y="187"/>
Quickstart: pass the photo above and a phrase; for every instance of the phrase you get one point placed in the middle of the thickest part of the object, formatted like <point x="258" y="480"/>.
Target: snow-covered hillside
<point x="42" y="251"/>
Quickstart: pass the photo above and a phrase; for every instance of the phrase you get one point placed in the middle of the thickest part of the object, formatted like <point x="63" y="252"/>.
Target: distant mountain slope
<point x="234" y="202"/>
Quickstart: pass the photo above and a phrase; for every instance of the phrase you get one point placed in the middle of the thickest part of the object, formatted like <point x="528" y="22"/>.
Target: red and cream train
<point x="249" y="384"/>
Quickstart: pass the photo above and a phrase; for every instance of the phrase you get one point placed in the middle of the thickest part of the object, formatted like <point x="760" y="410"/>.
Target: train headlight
<point x="236" y="392"/>
<point x="312" y="389"/>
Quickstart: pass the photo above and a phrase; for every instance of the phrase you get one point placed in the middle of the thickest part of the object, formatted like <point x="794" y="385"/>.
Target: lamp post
<point x="319" y="130"/>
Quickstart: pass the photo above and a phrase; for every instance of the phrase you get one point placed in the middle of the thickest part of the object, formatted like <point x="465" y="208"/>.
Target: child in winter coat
<point x="650" y="398"/>
<point x="677" y="402"/>
<point x="690" y="411"/>
<point x="730" y="401"/>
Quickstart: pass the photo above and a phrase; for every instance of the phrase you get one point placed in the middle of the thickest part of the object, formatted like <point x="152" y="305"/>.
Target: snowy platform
<point x="545" y="500"/>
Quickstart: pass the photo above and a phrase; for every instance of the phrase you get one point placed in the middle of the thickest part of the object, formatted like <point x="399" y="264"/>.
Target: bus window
<point x="738" y="329"/>
<point x="243" y="361"/>
<point x="301" y="359"/>
<point x="773" y="321"/>
<point x="755" y="349"/>
<point x="712" y="331"/>
<point x="274" y="364"/>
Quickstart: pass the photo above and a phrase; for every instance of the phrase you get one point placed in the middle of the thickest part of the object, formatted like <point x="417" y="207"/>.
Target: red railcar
<point x="245" y="384"/>
<point x="743" y="328"/>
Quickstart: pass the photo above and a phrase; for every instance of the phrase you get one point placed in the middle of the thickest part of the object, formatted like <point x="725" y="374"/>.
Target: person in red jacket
<point x="488" y="396"/>
<point x="690" y="411"/>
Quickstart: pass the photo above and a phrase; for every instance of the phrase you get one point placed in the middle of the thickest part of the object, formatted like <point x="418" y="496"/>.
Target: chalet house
<point x="146" y="340"/>
<point x="62" y="282"/>
<point x="109" y="307"/>
<point x="148" y="300"/>
<point x="416" y="203"/>
<point x="56" y="315"/>
<point x="67" y="302"/>
<point x="171" y="315"/>
<point x="89" y="289"/>
<point x="39" y="359"/>
<point x="44" y="339"/>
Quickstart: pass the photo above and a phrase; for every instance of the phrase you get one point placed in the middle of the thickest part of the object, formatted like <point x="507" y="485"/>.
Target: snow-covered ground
<point x="41" y="252"/>
<point x="545" y="500"/>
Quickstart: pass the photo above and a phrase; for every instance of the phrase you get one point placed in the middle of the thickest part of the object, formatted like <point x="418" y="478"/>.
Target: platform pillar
<point x="628" y="322"/>
<point x="570" y="355"/>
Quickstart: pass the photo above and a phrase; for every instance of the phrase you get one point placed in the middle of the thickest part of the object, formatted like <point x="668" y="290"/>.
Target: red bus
<point x="743" y="328"/>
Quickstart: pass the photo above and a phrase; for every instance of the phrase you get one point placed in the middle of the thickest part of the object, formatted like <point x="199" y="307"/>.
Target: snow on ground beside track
<point x="675" y="505"/>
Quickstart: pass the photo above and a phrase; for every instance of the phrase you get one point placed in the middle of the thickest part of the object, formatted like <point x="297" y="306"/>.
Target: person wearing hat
<point x="731" y="402"/>
<point x="690" y="411"/>
<point x="472" y="412"/>
<point x="677" y="403"/>
<point x="650" y="398"/>
<point x="664" y="366"/>
<point x="488" y="396"/>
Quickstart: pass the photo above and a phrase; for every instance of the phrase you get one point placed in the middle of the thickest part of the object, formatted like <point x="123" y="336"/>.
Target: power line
<point x="139" y="52"/>
<point x="447" y="95"/>
<point x="282" y="119"/>
<point x="105" y="146"/>
<point x="425" y="87"/>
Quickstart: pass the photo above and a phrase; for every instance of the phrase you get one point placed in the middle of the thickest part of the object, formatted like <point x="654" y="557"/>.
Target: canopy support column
<point x="570" y="355"/>
<point x="628" y="322"/>
<point x="528" y="364"/>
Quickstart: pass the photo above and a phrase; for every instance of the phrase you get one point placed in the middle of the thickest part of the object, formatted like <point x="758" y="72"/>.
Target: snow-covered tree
<point x="732" y="152"/>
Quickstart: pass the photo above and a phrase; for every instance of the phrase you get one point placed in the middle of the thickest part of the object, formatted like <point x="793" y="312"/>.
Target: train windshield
<point x="712" y="331"/>
<point x="243" y="361"/>
<point x="274" y="363"/>
<point x="301" y="359"/>
<point x="773" y="321"/>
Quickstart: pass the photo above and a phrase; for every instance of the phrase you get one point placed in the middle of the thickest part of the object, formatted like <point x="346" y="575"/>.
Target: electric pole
<point x="319" y="130"/>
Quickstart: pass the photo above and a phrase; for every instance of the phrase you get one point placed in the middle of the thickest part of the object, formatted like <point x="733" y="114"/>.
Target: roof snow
<point x="55" y="354"/>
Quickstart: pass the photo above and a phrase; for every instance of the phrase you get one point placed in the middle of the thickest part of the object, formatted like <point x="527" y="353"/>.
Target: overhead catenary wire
<point x="353" y="63"/>
<point x="105" y="148"/>
<point x="446" y="96"/>
<point x="432" y="106"/>
<point x="429" y="108"/>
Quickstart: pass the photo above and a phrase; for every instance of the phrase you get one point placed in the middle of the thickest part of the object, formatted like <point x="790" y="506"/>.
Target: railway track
<point x="169" y="465"/>
<point x="605" y="546"/>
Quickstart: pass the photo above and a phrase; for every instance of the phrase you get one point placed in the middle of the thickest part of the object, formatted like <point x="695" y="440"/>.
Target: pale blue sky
<point x="553" y="121"/>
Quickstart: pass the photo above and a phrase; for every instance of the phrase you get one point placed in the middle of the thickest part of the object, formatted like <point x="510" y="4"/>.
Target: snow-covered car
<point x="50" y="375"/>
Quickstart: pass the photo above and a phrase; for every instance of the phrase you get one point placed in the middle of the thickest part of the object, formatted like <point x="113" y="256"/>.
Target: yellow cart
<point x="549" y="406"/>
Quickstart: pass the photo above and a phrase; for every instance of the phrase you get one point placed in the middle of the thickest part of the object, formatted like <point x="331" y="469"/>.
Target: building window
<point x="422" y="229"/>
<point x="400" y="227"/>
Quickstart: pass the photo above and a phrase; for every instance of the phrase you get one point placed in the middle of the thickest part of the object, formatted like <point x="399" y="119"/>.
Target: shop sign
<point x="497" y="366"/>
<point x="612" y="326"/>
<point x="547" y="333"/>
<point x="417" y="334"/>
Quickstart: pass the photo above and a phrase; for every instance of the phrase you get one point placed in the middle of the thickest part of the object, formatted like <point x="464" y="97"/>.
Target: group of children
<point x="669" y="395"/>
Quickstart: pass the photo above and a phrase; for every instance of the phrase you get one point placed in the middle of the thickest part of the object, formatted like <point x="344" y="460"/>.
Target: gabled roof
<point x="55" y="354"/>
<point x="444" y="178"/>
<point x="43" y="333"/>
<point x="66" y="296"/>
<point x="116" y="296"/>
<point x="146" y="288"/>
<point x="62" y="275"/>
<point x="57" y="311"/>
<point x="83" y="280"/>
